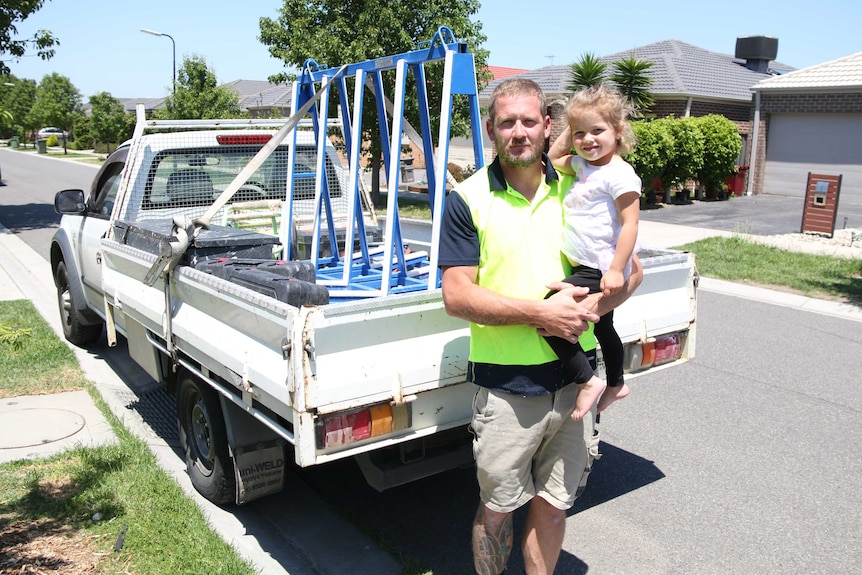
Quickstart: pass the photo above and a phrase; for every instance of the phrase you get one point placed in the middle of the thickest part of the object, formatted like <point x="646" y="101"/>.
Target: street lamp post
<point x="174" y="47"/>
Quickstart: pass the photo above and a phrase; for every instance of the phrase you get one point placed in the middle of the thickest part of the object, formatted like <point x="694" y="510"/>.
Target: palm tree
<point x="631" y="79"/>
<point x="587" y="72"/>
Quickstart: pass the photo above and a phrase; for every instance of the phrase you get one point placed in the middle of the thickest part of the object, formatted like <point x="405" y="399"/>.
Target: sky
<point x="102" y="49"/>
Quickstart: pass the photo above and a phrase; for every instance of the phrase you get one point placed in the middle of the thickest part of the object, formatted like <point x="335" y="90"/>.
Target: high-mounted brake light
<point x="240" y="139"/>
<point x="344" y="428"/>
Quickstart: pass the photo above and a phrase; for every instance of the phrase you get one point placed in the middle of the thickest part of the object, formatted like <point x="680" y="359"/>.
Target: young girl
<point x="600" y="237"/>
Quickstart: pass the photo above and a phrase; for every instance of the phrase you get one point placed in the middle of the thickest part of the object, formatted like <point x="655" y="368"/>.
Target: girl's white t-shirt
<point x="592" y="223"/>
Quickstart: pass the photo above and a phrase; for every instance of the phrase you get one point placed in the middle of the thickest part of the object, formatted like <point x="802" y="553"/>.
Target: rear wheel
<point x="204" y="440"/>
<point x="74" y="330"/>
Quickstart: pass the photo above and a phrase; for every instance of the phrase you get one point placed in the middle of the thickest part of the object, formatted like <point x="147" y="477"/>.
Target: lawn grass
<point x="39" y="362"/>
<point x="89" y="496"/>
<point x="414" y="209"/>
<point x="99" y="493"/>
<point x="738" y="260"/>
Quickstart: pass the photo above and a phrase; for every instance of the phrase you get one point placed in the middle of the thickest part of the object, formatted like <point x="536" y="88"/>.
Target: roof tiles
<point x="679" y="69"/>
<point x="844" y="72"/>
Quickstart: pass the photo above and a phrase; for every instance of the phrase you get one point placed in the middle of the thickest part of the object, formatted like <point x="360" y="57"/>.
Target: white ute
<point x="279" y="337"/>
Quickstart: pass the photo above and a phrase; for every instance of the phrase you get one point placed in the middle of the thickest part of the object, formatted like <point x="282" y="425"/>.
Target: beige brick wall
<point x="799" y="103"/>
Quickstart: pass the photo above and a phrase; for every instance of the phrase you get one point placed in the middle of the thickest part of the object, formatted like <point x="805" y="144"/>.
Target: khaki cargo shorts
<point x="528" y="446"/>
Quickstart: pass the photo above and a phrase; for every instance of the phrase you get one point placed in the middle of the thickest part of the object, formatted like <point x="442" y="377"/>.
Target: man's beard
<point x="516" y="161"/>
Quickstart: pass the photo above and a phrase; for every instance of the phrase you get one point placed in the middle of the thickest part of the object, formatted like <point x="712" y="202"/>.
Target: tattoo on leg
<point x="492" y="544"/>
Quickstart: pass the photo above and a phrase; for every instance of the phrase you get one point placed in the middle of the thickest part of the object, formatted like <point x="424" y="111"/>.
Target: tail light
<point x="656" y="351"/>
<point x="347" y="427"/>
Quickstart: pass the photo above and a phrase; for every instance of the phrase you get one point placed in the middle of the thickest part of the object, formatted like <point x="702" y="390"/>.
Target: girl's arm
<point x="561" y="152"/>
<point x="628" y="207"/>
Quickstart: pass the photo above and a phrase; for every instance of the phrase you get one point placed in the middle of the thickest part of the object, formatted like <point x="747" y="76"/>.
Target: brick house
<point x="687" y="81"/>
<point x="809" y="120"/>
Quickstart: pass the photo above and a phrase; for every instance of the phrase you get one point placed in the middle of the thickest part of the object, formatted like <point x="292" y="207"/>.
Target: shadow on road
<point x="618" y="472"/>
<point x="429" y="520"/>
<point x="30" y="217"/>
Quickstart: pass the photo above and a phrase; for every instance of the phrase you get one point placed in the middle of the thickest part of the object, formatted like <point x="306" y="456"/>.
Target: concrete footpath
<point x="42" y="425"/>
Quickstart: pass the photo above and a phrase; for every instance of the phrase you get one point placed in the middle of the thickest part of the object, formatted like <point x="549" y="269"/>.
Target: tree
<point x="198" y="96"/>
<point x="631" y="79"/>
<point x="588" y="71"/>
<point x="334" y="32"/>
<point x="12" y="11"/>
<point x="57" y="100"/>
<point x="18" y="101"/>
<point x="108" y="122"/>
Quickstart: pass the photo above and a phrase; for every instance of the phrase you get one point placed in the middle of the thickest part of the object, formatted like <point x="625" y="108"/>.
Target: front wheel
<point x="74" y="330"/>
<point x="204" y="440"/>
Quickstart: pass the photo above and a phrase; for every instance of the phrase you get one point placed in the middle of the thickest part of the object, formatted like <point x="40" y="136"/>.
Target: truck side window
<point x="102" y="203"/>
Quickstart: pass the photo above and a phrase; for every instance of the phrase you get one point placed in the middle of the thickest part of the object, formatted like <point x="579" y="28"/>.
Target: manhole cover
<point x="56" y="424"/>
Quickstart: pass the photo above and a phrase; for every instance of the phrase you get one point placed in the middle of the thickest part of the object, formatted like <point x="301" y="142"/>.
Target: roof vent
<point x="757" y="51"/>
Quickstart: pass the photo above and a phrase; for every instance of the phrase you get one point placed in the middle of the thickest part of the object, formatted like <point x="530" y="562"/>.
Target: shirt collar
<point x="497" y="181"/>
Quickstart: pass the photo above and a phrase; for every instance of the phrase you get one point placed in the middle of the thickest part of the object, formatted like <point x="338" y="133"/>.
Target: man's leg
<point x="492" y="541"/>
<point x="543" y="537"/>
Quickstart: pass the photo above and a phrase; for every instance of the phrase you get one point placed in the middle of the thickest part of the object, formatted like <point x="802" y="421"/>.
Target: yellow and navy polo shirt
<point x="515" y="244"/>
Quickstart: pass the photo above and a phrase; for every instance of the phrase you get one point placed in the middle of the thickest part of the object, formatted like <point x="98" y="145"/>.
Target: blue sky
<point x="102" y="48"/>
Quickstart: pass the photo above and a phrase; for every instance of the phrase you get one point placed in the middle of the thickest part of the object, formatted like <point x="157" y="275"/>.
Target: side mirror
<point x="70" y="202"/>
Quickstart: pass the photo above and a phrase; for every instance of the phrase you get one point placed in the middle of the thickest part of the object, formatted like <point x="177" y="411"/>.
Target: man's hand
<point x="566" y="313"/>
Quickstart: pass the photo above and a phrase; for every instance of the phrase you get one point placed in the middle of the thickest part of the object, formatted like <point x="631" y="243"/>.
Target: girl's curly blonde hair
<point x="611" y="105"/>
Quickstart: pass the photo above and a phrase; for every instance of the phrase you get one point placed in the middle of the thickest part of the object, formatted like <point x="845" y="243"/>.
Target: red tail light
<point x="345" y="428"/>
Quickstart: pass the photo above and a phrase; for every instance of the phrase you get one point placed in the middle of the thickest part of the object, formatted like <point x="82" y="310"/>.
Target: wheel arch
<point x="61" y="247"/>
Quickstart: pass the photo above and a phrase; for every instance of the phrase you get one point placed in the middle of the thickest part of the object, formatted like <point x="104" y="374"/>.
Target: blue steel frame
<point x="375" y="272"/>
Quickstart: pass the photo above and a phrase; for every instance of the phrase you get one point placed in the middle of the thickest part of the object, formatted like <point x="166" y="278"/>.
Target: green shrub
<point x="53" y="140"/>
<point x="654" y="150"/>
<point x="688" y="146"/>
<point x="721" y="150"/>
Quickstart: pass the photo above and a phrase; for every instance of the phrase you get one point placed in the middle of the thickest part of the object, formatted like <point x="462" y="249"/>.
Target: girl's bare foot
<point x="611" y="394"/>
<point x="588" y="393"/>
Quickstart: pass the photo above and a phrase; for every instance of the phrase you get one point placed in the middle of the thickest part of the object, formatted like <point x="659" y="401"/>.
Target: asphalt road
<point x="744" y="460"/>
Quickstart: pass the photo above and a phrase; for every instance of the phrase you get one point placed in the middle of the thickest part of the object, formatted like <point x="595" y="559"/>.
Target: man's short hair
<point x="516" y="87"/>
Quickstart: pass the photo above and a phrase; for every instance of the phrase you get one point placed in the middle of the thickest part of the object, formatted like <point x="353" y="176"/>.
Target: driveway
<point x="762" y="215"/>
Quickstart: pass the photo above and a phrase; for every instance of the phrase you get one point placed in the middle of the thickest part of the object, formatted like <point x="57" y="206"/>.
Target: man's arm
<point x="561" y="315"/>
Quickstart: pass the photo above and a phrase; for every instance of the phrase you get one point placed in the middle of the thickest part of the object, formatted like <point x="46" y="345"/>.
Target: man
<point x="499" y="254"/>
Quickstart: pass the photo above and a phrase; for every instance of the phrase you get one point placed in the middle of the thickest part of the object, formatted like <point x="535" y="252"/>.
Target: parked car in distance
<point x="46" y="133"/>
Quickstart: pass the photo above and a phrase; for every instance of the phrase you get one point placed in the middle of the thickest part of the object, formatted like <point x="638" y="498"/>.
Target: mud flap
<point x="258" y="454"/>
<point x="259" y="470"/>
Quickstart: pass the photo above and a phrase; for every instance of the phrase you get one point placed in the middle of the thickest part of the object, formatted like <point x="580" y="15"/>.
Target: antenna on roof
<point x="551" y="58"/>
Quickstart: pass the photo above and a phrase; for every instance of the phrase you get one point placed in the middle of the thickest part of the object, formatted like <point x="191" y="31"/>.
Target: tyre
<point x="204" y="440"/>
<point x="75" y="330"/>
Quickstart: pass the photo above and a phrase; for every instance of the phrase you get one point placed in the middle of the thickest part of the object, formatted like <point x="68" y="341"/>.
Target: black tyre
<point x="204" y="440"/>
<point x="75" y="330"/>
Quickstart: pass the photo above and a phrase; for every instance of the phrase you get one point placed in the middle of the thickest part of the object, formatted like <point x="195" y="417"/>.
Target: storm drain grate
<point x="158" y="409"/>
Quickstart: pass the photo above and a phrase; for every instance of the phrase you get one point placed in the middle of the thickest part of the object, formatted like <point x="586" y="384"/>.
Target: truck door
<point x="97" y="221"/>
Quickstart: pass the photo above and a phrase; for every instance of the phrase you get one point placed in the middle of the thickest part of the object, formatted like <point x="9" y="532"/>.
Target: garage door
<point x="818" y="143"/>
